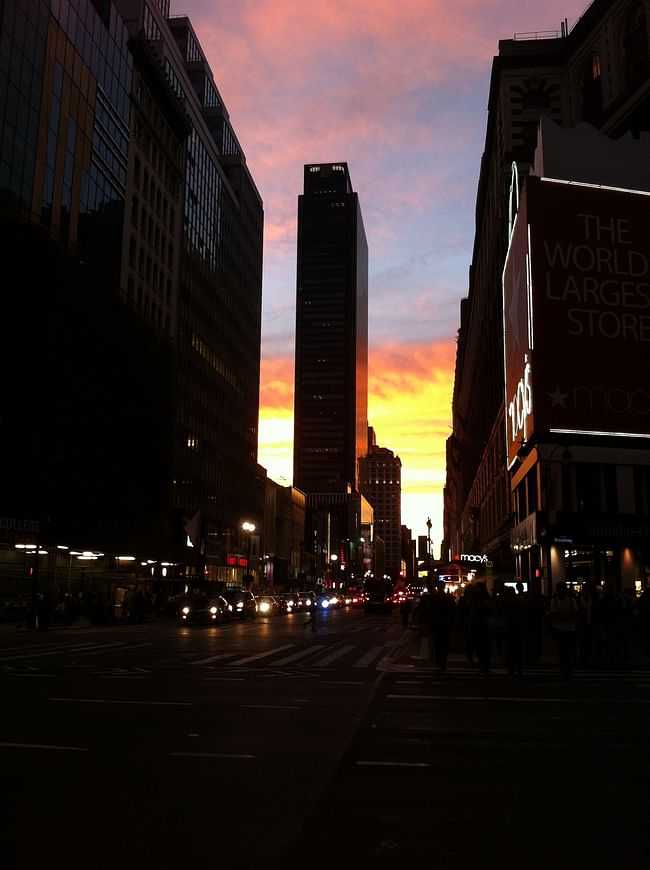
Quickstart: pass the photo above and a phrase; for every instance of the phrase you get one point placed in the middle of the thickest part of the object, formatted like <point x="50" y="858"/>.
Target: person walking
<point x="564" y="612"/>
<point x="513" y="615"/>
<point x="442" y="616"/>
<point x="312" y="616"/>
<point x="479" y="627"/>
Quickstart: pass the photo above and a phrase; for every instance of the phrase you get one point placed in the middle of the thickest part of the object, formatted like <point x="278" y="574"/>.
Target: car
<point x="242" y="603"/>
<point x="267" y="605"/>
<point x="306" y="600"/>
<point x="288" y="601"/>
<point x="205" y="610"/>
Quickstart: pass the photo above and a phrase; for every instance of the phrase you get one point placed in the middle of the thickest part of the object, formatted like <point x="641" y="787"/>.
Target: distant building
<point x="568" y="506"/>
<point x="381" y="483"/>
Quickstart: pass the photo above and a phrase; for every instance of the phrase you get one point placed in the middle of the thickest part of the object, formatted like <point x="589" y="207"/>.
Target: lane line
<point x="391" y="764"/>
<point x="269" y="707"/>
<point x="115" y="701"/>
<point x="54" y="651"/>
<point x="211" y="755"/>
<point x="532" y="700"/>
<point x="45" y="746"/>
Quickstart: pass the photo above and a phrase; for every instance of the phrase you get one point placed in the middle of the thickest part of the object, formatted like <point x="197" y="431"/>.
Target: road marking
<point x="269" y="707"/>
<point x="130" y="646"/>
<point x="333" y="656"/>
<point x="391" y="764"/>
<point x="263" y="655"/>
<point x="212" y="659"/>
<point x="115" y="701"/>
<point x="531" y="699"/>
<point x="45" y="746"/>
<point x="300" y="655"/>
<point x="372" y="654"/>
<point x="211" y="755"/>
<point x="54" y="651"/>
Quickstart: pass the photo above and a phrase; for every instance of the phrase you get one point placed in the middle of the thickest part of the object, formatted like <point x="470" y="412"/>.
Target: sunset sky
<point x="399" y="92"/>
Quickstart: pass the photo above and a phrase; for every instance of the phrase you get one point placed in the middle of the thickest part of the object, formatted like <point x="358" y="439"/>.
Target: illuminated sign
<point x="472" y="557"/>
<point x="576" y="306"/>
<point x="235" y="561"/>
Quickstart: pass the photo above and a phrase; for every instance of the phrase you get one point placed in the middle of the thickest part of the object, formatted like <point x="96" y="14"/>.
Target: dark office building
<point x="132" y="323"/>
<point x="331" y="388"/>
<point x="541" y="500"/>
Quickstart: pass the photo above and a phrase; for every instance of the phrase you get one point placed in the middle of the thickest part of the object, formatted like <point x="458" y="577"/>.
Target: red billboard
<point x="576" y="290"/>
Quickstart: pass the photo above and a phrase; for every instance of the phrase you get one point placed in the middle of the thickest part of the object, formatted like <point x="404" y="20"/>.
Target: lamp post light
<point x="248" y="528"/>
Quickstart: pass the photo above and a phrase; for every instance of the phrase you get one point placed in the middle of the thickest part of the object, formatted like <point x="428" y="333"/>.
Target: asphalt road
<point x="262" y="744"/>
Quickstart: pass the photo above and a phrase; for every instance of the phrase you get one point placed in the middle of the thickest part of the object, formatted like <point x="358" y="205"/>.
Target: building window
<point x="592" y="93"/>
<point x="635" y="47"/>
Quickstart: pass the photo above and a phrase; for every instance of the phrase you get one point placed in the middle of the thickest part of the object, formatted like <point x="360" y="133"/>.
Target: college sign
<point x="576" y="303"/>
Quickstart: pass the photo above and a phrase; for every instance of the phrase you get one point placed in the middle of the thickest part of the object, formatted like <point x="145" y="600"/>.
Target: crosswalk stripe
<point x="262" y="655"/>
<point x="370" y="656"/>
<point x="332" y="657"/>
<point x="211" y="659"/>
<point x="303" y="654"/>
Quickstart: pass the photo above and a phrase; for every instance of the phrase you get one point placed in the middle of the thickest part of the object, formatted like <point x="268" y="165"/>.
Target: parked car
<point x="267" y="605"/>
<point x="242" y="603"/>
<point x="206" y="610"/>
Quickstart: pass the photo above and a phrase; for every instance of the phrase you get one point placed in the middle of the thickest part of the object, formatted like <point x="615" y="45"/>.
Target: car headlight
<point x="265" y="607"/>
<point x="307" y="603"/>
<point x="186" y="610"/>
<point x="214" y="610"/>
<point x="240" y="605"/>
<point x="324" y="604"/>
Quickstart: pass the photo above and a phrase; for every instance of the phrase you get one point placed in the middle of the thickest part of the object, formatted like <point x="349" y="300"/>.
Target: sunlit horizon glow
<point x="399" y="92"/>
<point x="418" y="381"/>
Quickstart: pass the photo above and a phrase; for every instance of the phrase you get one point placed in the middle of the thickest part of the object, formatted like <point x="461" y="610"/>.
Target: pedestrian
<point x="479" y="627"/>
<point x="586" y="623"/>
<point x="312" y="616"/>
<point x="534" y="613"/>
<point x="643" y="621"/>
<point x="514" y="630"/>
<point x="563" y="612"/>
<point x="611" y="622"/>
<point x="405" y="613"/>
<point x="462" y="621"/>
<point x="442" y="616"/>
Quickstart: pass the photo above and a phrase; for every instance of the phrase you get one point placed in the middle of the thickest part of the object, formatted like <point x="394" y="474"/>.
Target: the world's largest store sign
<point x="576" y="294"/>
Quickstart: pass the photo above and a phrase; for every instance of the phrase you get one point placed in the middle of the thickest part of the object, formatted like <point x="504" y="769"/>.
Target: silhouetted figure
<point x="405" y="613"/>
<point x="479" y="626"/>
<point x="313" y="610"/>
<point x="442" y="612"/>
<point x="587" y="623"/>
<point x="564" y="611"/>
<point x="611" y="622"/>
<point x="643" y="621"/>
<point x="514" y="631"/>
<point x="463" y="609"/>
<point x="534" y="613"/>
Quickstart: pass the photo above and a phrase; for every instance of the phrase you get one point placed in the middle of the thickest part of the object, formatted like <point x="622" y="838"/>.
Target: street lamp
<point x="248" y="528"/>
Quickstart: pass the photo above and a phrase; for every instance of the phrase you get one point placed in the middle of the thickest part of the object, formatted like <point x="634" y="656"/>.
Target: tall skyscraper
<point x="331" y="387"/>
<point x="128" y="210"/>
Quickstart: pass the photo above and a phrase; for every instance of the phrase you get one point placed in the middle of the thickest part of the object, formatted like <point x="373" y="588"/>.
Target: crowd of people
<point x="592" y="626"/>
